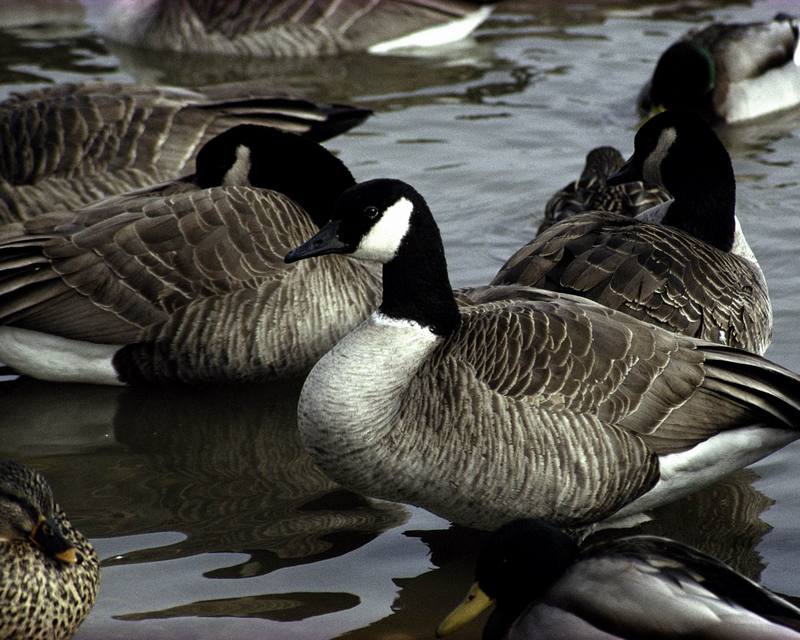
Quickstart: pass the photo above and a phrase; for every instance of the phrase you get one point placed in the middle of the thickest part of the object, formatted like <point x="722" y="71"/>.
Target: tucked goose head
<point x="520" y="562"/>
<point x="678" y="151"/>
<point x="27" y="512"/>
<point x="683" y="78"/>
<point x="267" y="158"/>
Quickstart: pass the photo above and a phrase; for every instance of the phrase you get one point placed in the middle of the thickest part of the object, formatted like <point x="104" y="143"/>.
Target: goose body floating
<point x="71" y="144"/>
<point x="591" y="191"/>
<point x="729" y="72"/>
<point x="545" y="586"/>
<point x="284" y="29"/>
<point x="48" y="570"/>
<point x="185" y="281"/>
<point x="684" y="265"/>
<point x="520" y="402"/>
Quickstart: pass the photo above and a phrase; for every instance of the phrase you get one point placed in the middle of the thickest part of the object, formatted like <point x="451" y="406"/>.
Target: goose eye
<point x="371" y="212"/>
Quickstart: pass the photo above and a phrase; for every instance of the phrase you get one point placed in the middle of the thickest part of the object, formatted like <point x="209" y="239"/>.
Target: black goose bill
<point x="325" y="241"/>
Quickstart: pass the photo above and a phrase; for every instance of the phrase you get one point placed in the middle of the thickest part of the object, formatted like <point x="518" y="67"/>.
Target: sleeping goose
<point x="285" y="28"/>
<point x="48" y="570"/>
<point x="591" y="192"/>
<point x="68" y="145"/>
<point x="544" y="585"/>
<point x="728" y="72"/>
<point x="684" y="265"/>
<point x="521" y="402"/>
<point x="186" y="281"/>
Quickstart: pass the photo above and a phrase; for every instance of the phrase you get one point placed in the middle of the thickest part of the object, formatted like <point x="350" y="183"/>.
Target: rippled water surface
<point x="211" y="520"/>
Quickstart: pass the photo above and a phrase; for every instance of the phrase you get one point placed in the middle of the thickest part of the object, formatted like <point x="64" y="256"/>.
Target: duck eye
<point x="371" y="212"/>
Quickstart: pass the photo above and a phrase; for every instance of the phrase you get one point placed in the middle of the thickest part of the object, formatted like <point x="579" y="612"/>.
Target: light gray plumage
<point x="520" y="402"/>
<point x="590" y="192"/>
<point x="688" y="268"/>
<point x="544" y="586"/>
<point x="729" y="72"/>
<point x="282" y="28"/>
<point x="68" y="145"/>
<point x="190" y="278"/>
<point x="42" y="597"/>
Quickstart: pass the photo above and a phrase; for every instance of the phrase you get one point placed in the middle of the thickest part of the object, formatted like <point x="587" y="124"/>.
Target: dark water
<point x="210" y="518"/>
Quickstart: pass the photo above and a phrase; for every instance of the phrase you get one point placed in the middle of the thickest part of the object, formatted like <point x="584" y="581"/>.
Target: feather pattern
<point x="71" y="144"/>
<point x="653" y="272"/>
<point x="281" y="28"/>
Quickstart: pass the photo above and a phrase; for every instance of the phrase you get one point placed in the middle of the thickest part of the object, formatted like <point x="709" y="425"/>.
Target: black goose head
<point x="268" y="158"/>
<point x="370" y="221"/>
<point x="521" y="561"/>
<point x="684" y="78"/>
<point x="679" y="151"/>
<point x="27" y="512"/>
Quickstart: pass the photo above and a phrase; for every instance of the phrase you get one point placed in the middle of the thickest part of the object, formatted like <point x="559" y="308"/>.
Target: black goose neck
<point x="704" y="191"/>
<point x="416" y="286"/>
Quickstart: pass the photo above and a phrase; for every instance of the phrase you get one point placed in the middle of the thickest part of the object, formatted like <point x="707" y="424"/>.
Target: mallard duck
<point x="67" y="145"/>
<point x="508" y="401"/>
<point x="591" y="192"/>
<point x="186" y="281"/>
<point x="729" y="72"/>
<point x="48" y="570"/>
<point x="684" y="265"/>
<point x="282" y="28"/>
<point x="545" y="586"/>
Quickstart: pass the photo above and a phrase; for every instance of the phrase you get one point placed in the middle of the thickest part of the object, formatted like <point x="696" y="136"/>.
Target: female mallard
<point x="591" y="191"/>
<point x="684" y="265"/>
<point x="285" y="28"/>
<point x="521" y="402"/>
<point x="186" y="281"/>
<point x="544" y="585"/>
<point x="68" y="145"/>
<point x="48" y="570"/>
<point x="729" y="72"/>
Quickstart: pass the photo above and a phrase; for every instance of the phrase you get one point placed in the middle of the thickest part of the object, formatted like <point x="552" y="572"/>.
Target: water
<point x="210" y="518"/>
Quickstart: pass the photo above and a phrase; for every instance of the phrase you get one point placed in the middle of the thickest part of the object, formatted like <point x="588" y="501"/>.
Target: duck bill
<point x="48" y="537"/>
<point x="628" y="172"/>
<point x="325" y="241"/>
<point x="472" y="606"/>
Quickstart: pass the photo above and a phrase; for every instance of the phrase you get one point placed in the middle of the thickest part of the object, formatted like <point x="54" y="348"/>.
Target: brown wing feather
<point x="652" y="272"/>
<point x="139" y="266"/>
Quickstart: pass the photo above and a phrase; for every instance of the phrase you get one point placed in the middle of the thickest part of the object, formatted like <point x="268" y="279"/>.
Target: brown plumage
<point x="194" y="282"/>
<point x="71" y="144"/>
<point x="279" y="28"/>
<point x="684" y="265"/>
<point x="45" y="593"/>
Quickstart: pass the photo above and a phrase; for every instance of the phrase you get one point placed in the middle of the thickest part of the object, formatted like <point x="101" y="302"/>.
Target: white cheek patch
<point x="239" y="173"/>
<point x="383" y="240"/>
<point x="651" y="170"/>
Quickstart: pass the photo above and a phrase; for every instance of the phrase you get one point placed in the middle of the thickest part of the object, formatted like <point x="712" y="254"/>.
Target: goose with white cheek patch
<point x="592" y="192"/>
<point x="729" y="72"/>
<point x="48" y="570"/>
<point x="543" y="585"/>
<point x="67" y="145"/>
<point x="186" y="281"/>
<point x="684" y="265"/>
<point x="521" y="402"/>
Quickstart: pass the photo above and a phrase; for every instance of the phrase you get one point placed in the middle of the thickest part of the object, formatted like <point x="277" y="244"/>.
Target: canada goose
<point x="284" y="28"/>
<point x="729" y="72"/>
<point x="545" y="586"/>
<point x="68" y="145"/>
<point x="684" y="265"/>
<point x="48" y="570"/>
<point x="186" y="281"/>
<point x="522" y="402"/>
<point x="590" y="192"/>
